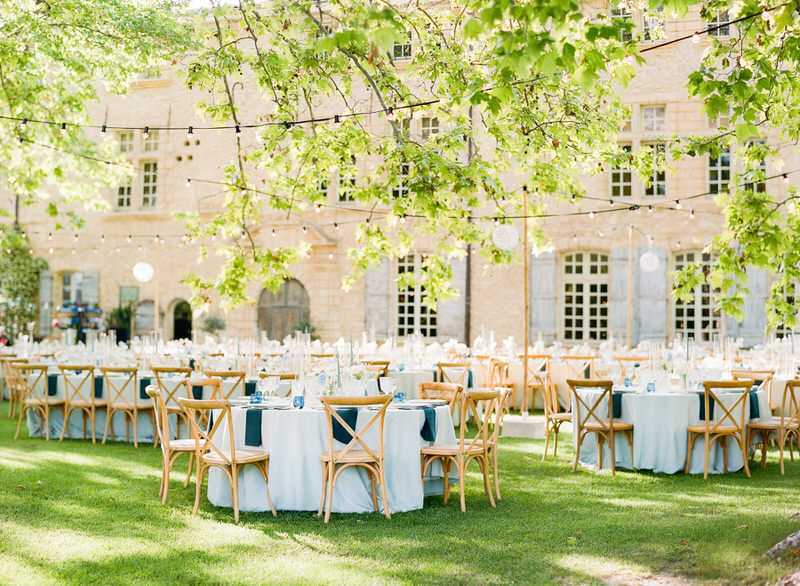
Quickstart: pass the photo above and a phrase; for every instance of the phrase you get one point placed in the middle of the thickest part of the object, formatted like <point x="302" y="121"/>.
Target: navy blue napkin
<point x="436" y="376"/>
<point x="428" y="431"/>
<point x="252" y="428"/>
<point x="703" y="406"/>
<point x="616" y="405"/>
<point x="249" y="387"/>
<point x="469" y="379"/>
<point x="197" y="392"/>
<point x="587" y="372"/>
<point x="98" y="387"/>
<point x="52" y="385"/>
<point x="349" y="416"/>
<point x="144" y="382"/>
<point x="191" y="363"/>
<point x="755" y="410"/>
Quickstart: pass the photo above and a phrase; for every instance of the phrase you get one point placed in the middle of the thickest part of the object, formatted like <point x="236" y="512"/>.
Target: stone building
<point x="578" y="290"/>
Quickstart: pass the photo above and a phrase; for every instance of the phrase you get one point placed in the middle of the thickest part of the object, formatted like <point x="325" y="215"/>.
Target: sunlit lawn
<point x="81" y="513"/>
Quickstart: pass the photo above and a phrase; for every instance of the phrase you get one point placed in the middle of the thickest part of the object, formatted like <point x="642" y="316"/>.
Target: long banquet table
<point x="295" y="438"/>
<point x="660" y="439"/>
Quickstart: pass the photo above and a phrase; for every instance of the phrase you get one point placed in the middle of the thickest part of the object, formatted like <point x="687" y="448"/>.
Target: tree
<point x="19" y="283"/>
<point x="53" y="58"/>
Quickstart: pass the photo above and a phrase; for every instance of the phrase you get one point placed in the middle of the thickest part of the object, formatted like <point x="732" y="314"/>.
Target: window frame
<point x="149" y="200"/>
<point x="419" y="310"/>
<point x="697" y="305"/>
<point x="570" y="285"/>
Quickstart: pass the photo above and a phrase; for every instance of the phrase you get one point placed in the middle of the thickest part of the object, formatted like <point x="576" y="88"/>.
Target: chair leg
<point x="65" y="427"/>
<point x="235" y="491"/>
<point x="629" y="435"/>
<point x="461" y="469"/>
<point x="165" y="478"/>
<point x="372" y="482"/>
<point x="19" y="425"/>
<point x="546" y="438"/>
<point x="763" y="450"/>
<point x="329" y="493"/>
<point x="496" y="473"/>
<point x="47" y="422"/>
<point x="746" y="464"/>
<point x="689" y="445"/>
<point x="135" y="429"/>
<point x="109" y="417"/>
<point x="189" y="470"/>
<point x="600" y="439"/>
<point x="612" y="444"/>
<point x="446" y="473"/>
<point x="556" y="429"/>
<point x="707" y="450"/>
<point x="198" y="489"/>
<point x="724" y="443"/>
<point x="577" y="452"/>
<point x="386" y="510"/>
<point x="781" y="444"/>
<point x="485" y="465"/>
<point x="324" y="484"/>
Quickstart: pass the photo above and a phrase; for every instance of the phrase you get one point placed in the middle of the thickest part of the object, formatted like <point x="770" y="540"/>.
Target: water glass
<point x="399" y="397"/>
<point x="256" y="397"/>
<point x="651" y="387"/>
<point x="298" y="401"/>
<point x="627" y="381"/>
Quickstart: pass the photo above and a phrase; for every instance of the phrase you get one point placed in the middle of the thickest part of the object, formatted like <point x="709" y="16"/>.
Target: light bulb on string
<point x="95" y="250"/>
<point x="305" y="230"/>
<point x="691" y="214"/>
<point x="24" y="124"/>
<point x="318" y="208"/>
<point x="785" y="178"/>
<point x="50" y="236"/>
<point x="678" y="204"/>
<point x="73" y="250"/>
<point x="600" y="233"/>
<point x="63" y="128"/>
<point x="128" y="239"/>
<point x="238" y="130"/>
<point x="103" y="130"/>
<point x="190" y="132"/>
<point x="574" y="237"/>
<point x="390" y="113"/>
<point x="497" y="221"/>
<point x="156" y="239"/>
<point x="30" y="251"/>
<point x="188" y="182"/>
<point x="330" y="256"/>
<point x="213" y="237"/>
<point x="629" y="60"/>
<point x="336" y="119"/>
<point x="650" y="209"/>
<point x="695" y="38"/>
<point x="244" y="190"/>
<point x="75" y="237"/>
<point x="20" y="140"/>
<point x="103" y="238"/>
<point x="146" y="132"/>
<point x="50" y="250"/>
<point x="335" y="226"/>
<point x="403" y="219"/>
<point x="273" y="233"/>
<point x="118" y="249"/>
<point x="765" y="15"/>
<point x="139" y="248"/>
<point x="591" y="215"/>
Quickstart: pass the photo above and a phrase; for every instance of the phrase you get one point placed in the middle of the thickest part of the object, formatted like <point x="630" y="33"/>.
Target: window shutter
<point x="378" y="297"/>
<point x="652" y="299"/>
<point x="619" y="296"/>
<point x="543" y="297"/>
<point x="90" y="288"/>
<point x="451" y="314"/>
<point x="45" y="302"/>
<point x="751" y="329"/>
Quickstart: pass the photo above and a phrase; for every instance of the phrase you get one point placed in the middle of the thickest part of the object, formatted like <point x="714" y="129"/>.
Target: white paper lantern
<point x="649" y="262"/>
<point x="505" y="237"/>
<point x="143" y="271"/>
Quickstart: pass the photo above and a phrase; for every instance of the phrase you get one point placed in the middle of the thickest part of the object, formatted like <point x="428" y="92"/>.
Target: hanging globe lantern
<point x="143" y="271"/>
<point x="505" y="236"/>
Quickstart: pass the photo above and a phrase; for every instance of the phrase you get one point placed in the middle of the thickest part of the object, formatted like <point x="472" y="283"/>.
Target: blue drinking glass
<point x="399" y="397"/>
<point x="651" y="387"/>
<point x="298" y="401"/>
<point x="627" y="381"/>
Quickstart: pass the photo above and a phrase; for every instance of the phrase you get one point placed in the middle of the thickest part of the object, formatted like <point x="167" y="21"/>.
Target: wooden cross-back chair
<point x="484" y="367"/>
<point x="171" y="449"/>
<point x="579" y="366"/>
<point x="118" y="402"/>
<point x="729" y="422"/>
<point x="538" y="377"/>
<point x="229" y="375"/>
<point x="627" y="363"/>
<point x="467" y="449"/>
<point x="378" y="367"/>
<point x="357" y="452"/>
<point x="495" y="425"/>
<point x="33" y="381"/>
<point x="80" y="396"/>
<point x="554" y="417"/>
<point x="171" y="389"/>
<point x="222" y="455"/>
<point x="215" y="393"/>
<point x="597" y="416"/>
<point x="785" y="428"/>
<point x="12" y="383"/>
<point x="762" y="378"/>
<point x="454" y="373"/>
<point x="449" y="392"/>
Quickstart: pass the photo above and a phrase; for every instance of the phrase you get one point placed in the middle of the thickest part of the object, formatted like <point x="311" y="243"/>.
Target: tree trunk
<point x="792" y="543"/>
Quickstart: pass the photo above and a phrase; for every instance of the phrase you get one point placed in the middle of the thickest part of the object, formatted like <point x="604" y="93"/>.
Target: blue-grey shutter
<point x="90" y="286"/>
<point x="751" y="328"/>
<point x="619" y="297"/>
<point x="450" y="314"/>
<point x="543" y="297"/>
<point x="652" y="299"/>
<point x="45" y="302"/>
<point x="378" y="292"/>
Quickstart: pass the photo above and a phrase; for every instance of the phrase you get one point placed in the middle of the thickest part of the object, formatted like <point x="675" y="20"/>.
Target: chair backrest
<point x="116" y="385"/>
<point x="487" y="402"/>
<point x="550" y="398"/>
<point x="450" y="392"/>
<point x="734" y="415"/>
<point x="380" y="367"/>
<point x="498" y="373"/>
<point x="630" y="362"/>
<point x="80" y="388"/>
<point x="280" y="375"/>
<point x="204" y="438"/>
<point x="538" y="369"/>
<point x="160" y="414"/>
<point x="215" y="384"/>
<point x="762" y="378"/>
<point x="357" y="440"/>
<point x="484" y="366"/>
<point x="453" y="372"/>
<point x="238" y="382"/>
<point x="171" y="387"/>
<point x="496" y="423"/>
<point x="12" y="374"/>
<point x="32" y="380"/>
<point x="790" y="406"/>
<point x="578" y="366"/>
<point x="589" y="410"/>
<point x="321" y="355"/>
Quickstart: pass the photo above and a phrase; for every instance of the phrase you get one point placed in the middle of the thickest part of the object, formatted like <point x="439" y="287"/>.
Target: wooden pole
<point x="157" y="300"/>
<point x="630" y="287"/>
<point x="525" y="271"/>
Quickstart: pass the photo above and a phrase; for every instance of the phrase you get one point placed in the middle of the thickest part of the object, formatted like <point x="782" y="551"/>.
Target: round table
<point x="295" y="438"/>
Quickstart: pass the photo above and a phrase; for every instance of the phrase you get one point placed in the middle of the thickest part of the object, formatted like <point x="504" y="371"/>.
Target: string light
<point x="574" y="237"/>
<point x="273" y="233"/>
<point x="591" y="215"/>
<point x="335" y="226"/>
<point x="118" y="249"/>
<point x="146" y="132"/>
<point x="73" y="250"/>
<point x="75" y="237"/>
<point x="765" y="15"/>
<point x="403" y="219"/>
<point x="678" y="204"/>
<point x="157" y="239"/>
<point x="129" y="239"/>
<point x="190" y="132"/>
<point x="50" y="236"/>
<point x="24" y="124"/>
<point x="95" y="250"/>
<point x="629" y="60"/>
<point x="695" y="38"/>
<point x="785" y="178"/>
<point x="305" y="230"/>
<point x="103" y="130"/>
<point x="63" y="128"/>
<point x="50" y="250"/>
<point x="650" y="209"/>
<point x="336" y="119"/>
<point x="390" y="113"/>
<point x="188" y="182"/>
<point x="318" y="208"/>
<point x="238" y="130"/>
<point x="691" y="214"/>
<point x="330" y="256"/>
<point x="103" y="238"/>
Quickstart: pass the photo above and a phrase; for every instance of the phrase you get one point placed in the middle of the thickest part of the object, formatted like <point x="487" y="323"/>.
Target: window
<point x="654" y="118"/>
<point x="404" y="126"/>
<point x="719" y="172"/>
<point x="585" y="296"/>
<point x="125" y="142"/>
<point x="402" y="51"/>
<point x="720" y="18"/>
<point x="622" y="179"/>
<point x="149" y="184"/>
<point x="624" y="14"/>
<point x="401" y="189"/>
<point x="653" y="25"/>
<point x="413" y="316"/>
<point x="347" y="185"/>
<point x="150" y="144"/>
<point x="759" y="171"/>
<point x="657" y="184"/>
<point x="124" y="193"/>
<point x="322" y="188"/>
<point x="696" y="318"/>
<point x="429" y="126"/>
<point x="72" y="287"/>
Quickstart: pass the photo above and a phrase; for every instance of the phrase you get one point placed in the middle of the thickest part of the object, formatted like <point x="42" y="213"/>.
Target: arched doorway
<point x="182" y="321"/>
<point x="279" y="314"/>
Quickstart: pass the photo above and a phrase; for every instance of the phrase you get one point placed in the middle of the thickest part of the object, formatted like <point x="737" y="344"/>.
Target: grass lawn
<point x="81" y="513"/>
